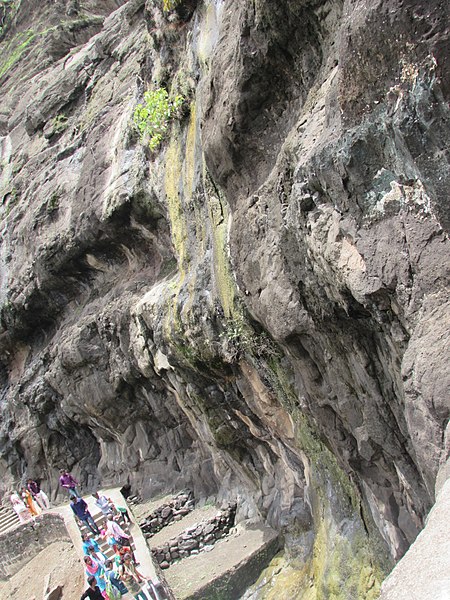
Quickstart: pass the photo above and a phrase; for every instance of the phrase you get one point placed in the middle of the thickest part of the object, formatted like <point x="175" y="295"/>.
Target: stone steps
<point x="8" y="519"/>
<point x="103" y="544"/>
<point x="178" y="527"/>
<point x="157" y="588"/>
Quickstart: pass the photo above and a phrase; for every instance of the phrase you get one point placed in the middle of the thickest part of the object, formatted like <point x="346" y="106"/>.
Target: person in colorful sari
<point x="30" y="503"/>
<point x="94" y="569"/>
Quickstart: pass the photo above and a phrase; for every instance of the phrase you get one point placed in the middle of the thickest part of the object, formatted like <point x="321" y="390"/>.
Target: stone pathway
<point x="223" y="569"/>
<point x="177" y="527"/>
<point x="228" y="567"/>
<point x="138" y="543"/>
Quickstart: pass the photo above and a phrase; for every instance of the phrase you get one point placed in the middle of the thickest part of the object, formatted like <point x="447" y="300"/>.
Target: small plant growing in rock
<point x="153" y="117"/>
<point x="59" y="123"/>
<point x="53" y="201"/>
<point x="170" y="4"/>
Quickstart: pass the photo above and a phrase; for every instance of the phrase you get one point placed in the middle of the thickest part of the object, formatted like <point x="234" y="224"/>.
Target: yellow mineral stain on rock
<point x="218" y="214"/>
<point x="173" y="180"/>
<point x="189" y="162"/>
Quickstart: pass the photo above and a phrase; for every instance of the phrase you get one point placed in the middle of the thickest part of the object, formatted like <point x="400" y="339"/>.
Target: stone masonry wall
<point x="174" y="510"/>
<point x="196" y="538"/>
<point x="26" y="541"/>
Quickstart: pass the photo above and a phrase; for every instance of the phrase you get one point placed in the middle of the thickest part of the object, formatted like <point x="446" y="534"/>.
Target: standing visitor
<point x="112" y="576"/>
<point x="20" y="509"/>
<point x="132" y="578"/>
<point x="98" y="556"/>
<point x="93" y="592"/>
<point x="94" y="569"/>
<point x="80" y="510"/>
<point x="29" y="502"/>
<point x="116" y="531"/>
<point x="39" y="495"/>
<point x="104" y="504"/>
<point x="123" y="513"/>
<point x="69" y="483"/>
<point x="87" y="543"/>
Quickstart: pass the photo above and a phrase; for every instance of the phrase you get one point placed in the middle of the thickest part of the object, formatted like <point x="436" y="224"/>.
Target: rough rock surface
<point x="258" y="310"/>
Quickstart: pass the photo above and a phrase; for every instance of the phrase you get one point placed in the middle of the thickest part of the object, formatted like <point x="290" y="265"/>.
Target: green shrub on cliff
<point x="170" y="4"/>
<point x="153" y="117"/>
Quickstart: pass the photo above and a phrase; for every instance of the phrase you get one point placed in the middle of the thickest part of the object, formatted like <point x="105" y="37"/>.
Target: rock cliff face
<point x="257" y="310"/>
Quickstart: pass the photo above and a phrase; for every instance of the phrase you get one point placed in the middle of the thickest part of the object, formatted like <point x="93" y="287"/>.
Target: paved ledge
<point x="226" y="571"/>
<point x="424" y="572"/>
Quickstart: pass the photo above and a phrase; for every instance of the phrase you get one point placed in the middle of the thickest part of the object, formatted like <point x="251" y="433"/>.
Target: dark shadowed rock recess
<point x="257" y="310"/>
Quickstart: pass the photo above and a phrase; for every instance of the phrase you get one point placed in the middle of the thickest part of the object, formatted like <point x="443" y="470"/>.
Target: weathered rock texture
<point x="259" y="309"/>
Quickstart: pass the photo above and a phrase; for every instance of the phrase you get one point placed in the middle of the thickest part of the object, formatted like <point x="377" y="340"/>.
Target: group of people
<point x="30" y="502"/>
<point x="107" y="578"/>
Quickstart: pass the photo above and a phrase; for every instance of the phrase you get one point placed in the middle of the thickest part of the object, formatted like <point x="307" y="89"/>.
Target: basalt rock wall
<point x="256" y="310"/>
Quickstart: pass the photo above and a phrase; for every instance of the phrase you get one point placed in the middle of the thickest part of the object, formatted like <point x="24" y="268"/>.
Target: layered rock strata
<point x="259" y="309"/>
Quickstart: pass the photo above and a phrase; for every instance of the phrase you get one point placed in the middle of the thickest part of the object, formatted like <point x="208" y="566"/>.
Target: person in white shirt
<point x="104" y="504"/>
<point x="116" y="531"/>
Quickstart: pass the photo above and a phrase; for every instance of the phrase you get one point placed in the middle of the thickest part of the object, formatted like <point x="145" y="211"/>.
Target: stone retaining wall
<point x="195" y="539"/>
<point x="175" y="510"/>
<point x="20" y="545"/>
<point x="235" y="581"/>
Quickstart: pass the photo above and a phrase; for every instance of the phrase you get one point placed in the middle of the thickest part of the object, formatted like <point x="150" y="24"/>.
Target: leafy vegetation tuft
<point x="59" y="123"/>
<point x="170" y="4"/>
<point x="15" y="49"/>
<point x="152" y="118"/>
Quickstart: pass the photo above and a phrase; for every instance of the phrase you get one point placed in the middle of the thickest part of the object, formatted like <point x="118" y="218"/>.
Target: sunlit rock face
<point x="257" y="310"/>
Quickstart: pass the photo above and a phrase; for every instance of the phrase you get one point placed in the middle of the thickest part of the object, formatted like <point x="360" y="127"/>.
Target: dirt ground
<point x="60" y="561"/>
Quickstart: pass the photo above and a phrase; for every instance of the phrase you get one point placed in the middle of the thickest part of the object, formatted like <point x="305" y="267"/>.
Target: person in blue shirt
<point x="114" y="577"/>
<point x="80" y="510"/>
<point x="88" y="543"/>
